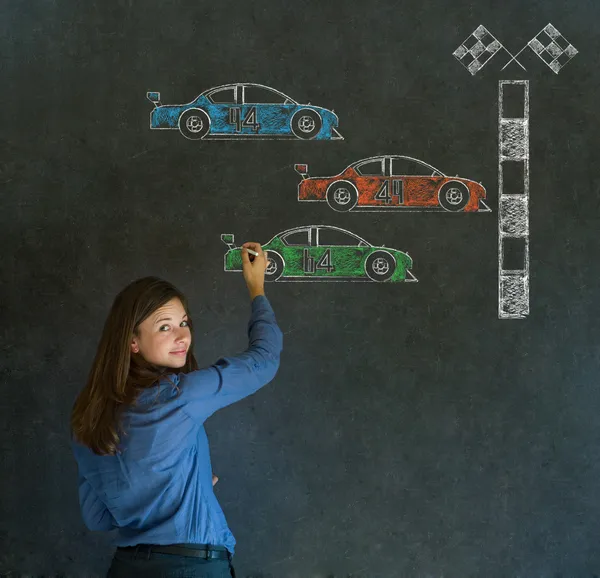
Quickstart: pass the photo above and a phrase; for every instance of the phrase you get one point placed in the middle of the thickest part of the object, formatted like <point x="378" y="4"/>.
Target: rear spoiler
<point x="154" y="97"/>
<point x="229" y="240"/>
<point x="302" y="170"/>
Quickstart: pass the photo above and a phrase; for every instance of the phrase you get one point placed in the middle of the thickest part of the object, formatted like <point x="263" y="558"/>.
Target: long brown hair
<point x="117" y="375"/>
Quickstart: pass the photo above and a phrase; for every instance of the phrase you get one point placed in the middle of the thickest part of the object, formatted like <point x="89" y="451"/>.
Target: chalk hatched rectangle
<point x="514" y="139"/>
<point x="513" y="199"/>
<point x="513" y="216"/>
<point x="514" y="177"/>
<point x="514" y="254"/>
<point x="513" y="300"/>
<point x="513" y="101"/>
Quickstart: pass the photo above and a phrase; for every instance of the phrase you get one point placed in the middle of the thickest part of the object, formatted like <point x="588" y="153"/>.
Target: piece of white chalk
<point x="251" y="252"/>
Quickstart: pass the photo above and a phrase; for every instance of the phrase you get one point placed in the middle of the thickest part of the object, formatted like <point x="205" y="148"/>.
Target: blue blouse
<point x="159" y="490"/>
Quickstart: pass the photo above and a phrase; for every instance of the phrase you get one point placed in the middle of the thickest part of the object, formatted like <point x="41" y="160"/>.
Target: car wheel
<point x="194" y="124"/>
<point x="342" y="196"/>
<point x="380" y="266"/>
<point x="454" y="196"/>
<point x="275" y="266"/>
<point x="306" y="123"/>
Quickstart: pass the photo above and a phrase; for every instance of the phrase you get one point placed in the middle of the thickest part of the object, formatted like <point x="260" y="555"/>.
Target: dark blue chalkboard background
<point x="409" y="431"/>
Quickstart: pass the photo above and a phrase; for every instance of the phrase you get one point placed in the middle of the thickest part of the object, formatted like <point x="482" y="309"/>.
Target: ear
<point x="135" y="346"/>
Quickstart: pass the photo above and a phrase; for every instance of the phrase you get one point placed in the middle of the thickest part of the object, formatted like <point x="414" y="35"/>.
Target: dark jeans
<point x="155" y="565"/>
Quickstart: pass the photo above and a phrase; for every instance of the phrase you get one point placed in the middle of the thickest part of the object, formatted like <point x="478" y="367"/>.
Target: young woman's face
<point x="164" y="336"/>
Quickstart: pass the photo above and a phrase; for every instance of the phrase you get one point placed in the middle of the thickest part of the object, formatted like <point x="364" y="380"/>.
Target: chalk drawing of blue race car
<point x="244" y="110"/>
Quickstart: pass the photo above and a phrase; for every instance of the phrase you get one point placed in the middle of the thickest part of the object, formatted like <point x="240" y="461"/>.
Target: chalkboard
<point x="441" y="422"/>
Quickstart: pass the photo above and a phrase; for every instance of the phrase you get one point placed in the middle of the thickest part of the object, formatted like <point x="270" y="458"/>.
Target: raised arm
<point x="233" y="378"/>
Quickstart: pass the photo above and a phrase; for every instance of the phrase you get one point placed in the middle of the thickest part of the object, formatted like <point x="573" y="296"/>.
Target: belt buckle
<point x="137" y="551"/>
<point x="208" y="553"/>
<point x="148" y="551"/>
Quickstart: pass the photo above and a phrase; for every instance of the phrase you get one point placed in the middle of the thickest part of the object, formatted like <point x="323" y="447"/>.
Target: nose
<point x="182" y="335"/>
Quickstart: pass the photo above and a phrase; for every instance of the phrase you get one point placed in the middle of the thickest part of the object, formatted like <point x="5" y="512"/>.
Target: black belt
<point x="205" y="551"/>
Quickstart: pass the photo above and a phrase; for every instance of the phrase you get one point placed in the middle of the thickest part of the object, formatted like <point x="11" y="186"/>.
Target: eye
<point x="163" y="327"/>
<point x="185" y="324"/>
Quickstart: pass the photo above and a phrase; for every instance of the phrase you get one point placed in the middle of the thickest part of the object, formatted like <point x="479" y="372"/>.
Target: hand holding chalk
<point x="254" y="268"/>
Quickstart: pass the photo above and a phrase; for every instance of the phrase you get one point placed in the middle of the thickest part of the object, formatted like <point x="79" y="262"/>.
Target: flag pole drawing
<point x="550" y="46"/>
<point x="513" y="199"/>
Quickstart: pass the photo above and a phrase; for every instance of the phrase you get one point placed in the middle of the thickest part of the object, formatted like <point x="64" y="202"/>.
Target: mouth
<point x="181" y="352"/>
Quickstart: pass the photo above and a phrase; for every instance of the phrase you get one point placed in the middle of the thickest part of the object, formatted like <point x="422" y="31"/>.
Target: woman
<point x="156" y="486"/>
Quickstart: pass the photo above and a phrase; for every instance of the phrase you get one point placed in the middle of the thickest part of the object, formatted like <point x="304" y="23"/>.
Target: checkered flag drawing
<point x="552" y="47"/>
<point x="479" y="47"/>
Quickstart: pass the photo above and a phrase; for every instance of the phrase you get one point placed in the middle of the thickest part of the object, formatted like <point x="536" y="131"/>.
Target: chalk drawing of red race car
<point x="389" y="182"/>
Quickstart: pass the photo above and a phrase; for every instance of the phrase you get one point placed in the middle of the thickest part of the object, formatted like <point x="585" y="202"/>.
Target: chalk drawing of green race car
<point x="325" y="253"/>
